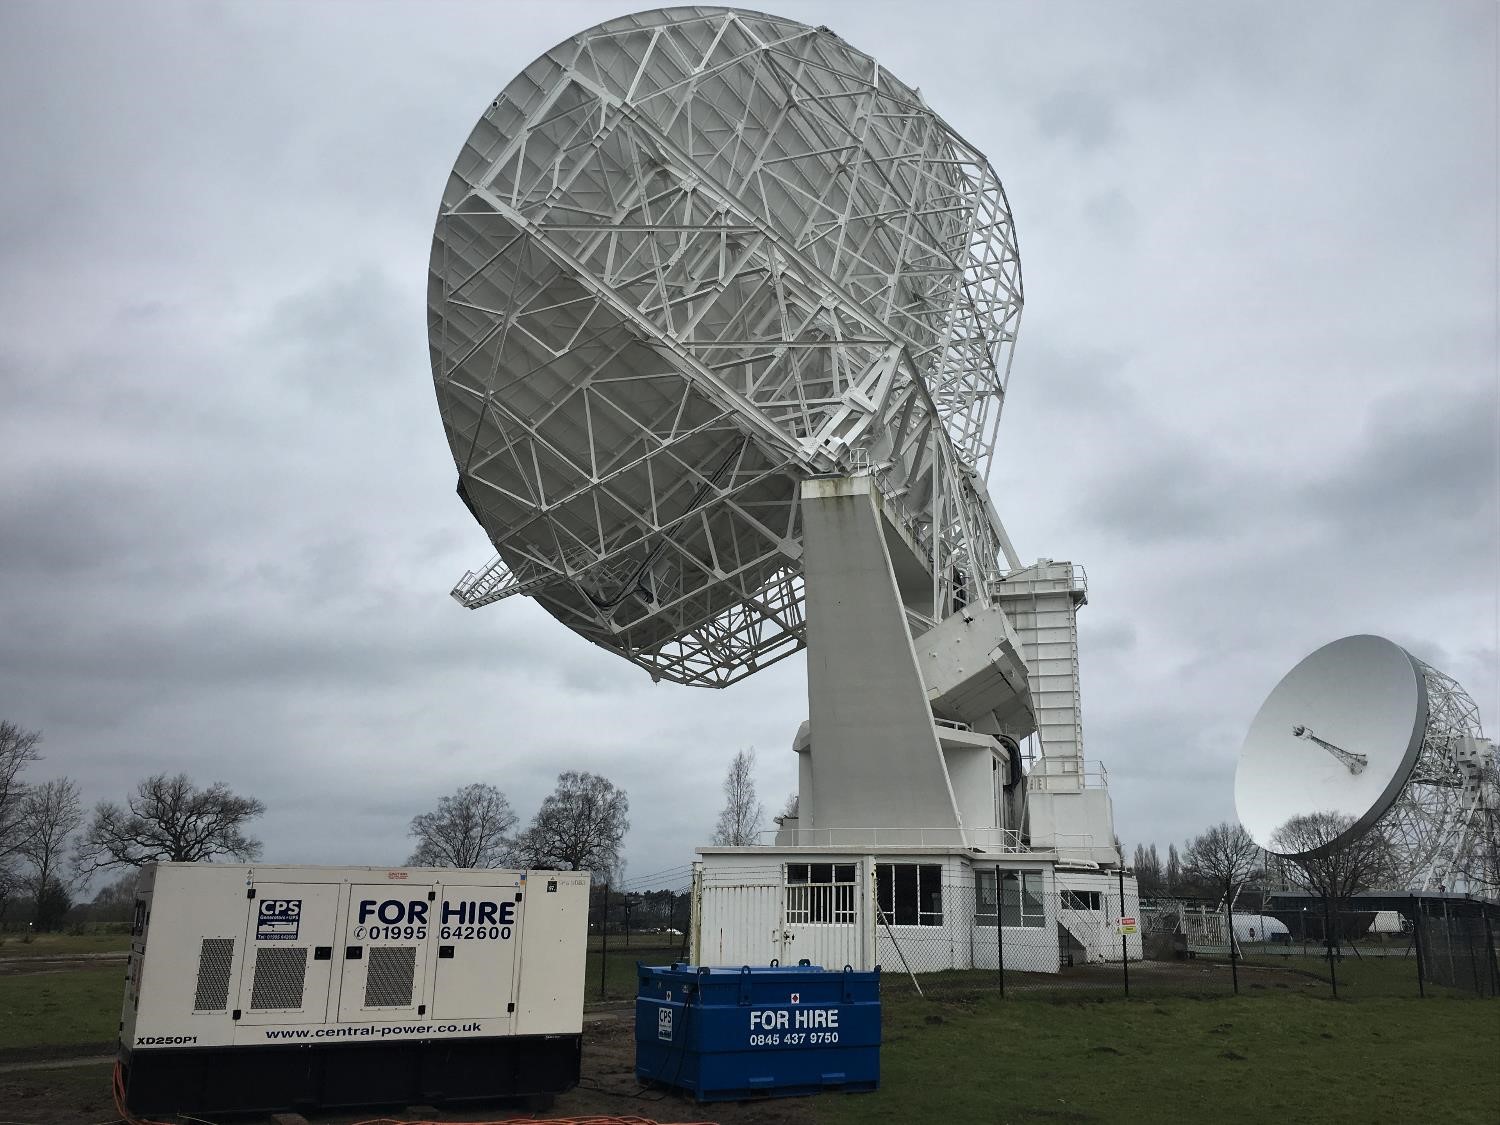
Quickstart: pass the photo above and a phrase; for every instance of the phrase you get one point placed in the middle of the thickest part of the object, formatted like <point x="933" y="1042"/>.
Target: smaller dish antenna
<point x="1340" y="733"/>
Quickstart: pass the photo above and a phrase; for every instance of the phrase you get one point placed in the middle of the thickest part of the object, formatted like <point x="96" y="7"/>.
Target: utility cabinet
<point x="756" y="1032"/>
<point x="255" y="988"/>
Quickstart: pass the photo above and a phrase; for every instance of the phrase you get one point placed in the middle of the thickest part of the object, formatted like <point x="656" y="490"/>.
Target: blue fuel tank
<point x="762" y="1031"/>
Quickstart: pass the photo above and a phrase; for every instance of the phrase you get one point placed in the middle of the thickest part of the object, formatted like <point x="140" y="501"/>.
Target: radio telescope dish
<point x="687" y="260"/>
<point x="1364" y="730"/>
<point x="1338" y="734"/>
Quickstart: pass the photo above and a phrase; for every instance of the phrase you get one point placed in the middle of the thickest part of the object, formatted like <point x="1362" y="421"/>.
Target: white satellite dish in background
<point x="1363" y="729"/>
<point x="1338" y="734"/>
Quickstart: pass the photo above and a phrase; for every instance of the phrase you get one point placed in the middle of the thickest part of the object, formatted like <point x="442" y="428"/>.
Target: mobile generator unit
<point x="255" y="989"/>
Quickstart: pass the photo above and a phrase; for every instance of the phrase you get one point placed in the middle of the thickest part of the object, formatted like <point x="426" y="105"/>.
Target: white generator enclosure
<point x="254" y="988"/>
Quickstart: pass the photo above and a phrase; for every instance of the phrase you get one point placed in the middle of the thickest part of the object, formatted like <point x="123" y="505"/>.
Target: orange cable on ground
<point x="118" y="1085"/>
<point x="589" y="1119"/>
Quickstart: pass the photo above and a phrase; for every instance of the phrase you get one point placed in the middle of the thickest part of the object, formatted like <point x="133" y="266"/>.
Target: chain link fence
<point x="627" y="928"/>
<point x="1028" y="933"/>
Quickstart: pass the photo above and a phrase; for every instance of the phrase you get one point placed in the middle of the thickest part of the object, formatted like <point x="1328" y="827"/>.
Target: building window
<point x="1021" y="898"/>
<point x="910" y="894"/>
<point x="820" y="894"/>
<point x="1082" y="900"/>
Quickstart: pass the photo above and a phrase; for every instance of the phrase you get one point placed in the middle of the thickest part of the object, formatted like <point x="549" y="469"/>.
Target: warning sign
<point x="1126" y="927"/>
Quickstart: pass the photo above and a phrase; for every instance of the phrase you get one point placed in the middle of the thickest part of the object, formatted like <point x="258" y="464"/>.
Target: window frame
<point x="1018" y="885"/>
<point x="826" y="901"/>
<point x="1086" y="900"/>
<point x="913" y="905"/>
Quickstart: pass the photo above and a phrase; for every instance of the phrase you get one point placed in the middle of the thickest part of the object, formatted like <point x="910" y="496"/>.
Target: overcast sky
<point x="1255" y="394"/>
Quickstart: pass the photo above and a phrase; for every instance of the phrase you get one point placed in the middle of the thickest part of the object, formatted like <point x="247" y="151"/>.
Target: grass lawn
<point x="73" y="1006"/>
<point x="1264" y="1058"/>
<point x="58" y="945"/>
<point x="1252" y="1059"/>
<point x="619" y="976"/>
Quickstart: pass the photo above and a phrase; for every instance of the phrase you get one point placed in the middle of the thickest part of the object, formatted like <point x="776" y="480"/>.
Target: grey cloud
<point x="1082" y="117"/>
<point x="1423" y="461"/>
<point x="1165" y="494"/>
<point x="1246" y="396"/>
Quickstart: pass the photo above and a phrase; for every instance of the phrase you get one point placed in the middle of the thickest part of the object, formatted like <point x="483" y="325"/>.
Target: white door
<point x="290" y="943"/>
<point x="822" y="916"/>
<point x="384" y="954"/>
<point x="478" y="933"/>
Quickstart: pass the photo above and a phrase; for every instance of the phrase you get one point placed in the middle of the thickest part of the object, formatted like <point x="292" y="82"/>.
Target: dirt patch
<point x="608" y="1086"/>
<point x="12" y="1057"/>
<point x="80" y="1094"/>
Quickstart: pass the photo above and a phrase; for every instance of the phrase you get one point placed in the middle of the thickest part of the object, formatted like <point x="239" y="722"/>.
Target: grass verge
<point x="1252" y="1059"/>
<point x="62" y="945"/>
<point x="79" y="1005"/>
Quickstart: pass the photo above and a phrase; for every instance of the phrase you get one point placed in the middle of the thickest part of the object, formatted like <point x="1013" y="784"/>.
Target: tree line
<point x="1221" y="861"/>
<point x="50" y="847"/>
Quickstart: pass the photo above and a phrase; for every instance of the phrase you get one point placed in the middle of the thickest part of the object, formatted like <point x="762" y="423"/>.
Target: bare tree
<point x="581" y="824"/>
<point x="1173" y="874"/>
<point x="1223" y="857"/>
<point x="469" y="829"/>
<point x="50" y="814"/>
<point x="10" y="885"/>
<point x="1148" y="871"/>
<point x="115" y="900"/>
<point x="1335" y="873"/>
<point x="18" y="749"/>
<point x="793" y="803"/>
<point x="169" y="819"/>
<point x="740" y="820"/>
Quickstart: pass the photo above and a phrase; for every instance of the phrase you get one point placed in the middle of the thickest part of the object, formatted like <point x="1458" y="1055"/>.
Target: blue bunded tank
<point x="762" y="1031"/>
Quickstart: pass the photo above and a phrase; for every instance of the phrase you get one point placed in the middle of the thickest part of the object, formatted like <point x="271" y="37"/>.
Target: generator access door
<point x="384" y="955"/>
<point x="478" y="939"/>
<point x="290" y="940"/>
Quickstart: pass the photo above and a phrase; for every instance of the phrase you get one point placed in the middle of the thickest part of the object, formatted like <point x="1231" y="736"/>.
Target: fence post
<point x="1416" y="929"/>
<point x="1473" y="961"/>
<point x="1328" y="944"/>
<point x="1000" y="930"/>
<point x="695" y="916"/>
<point x="1492" y="969"/>
<point x="1234" y="972"/>
<point x="1124" y="941"/>
<point x="604" y="940"/>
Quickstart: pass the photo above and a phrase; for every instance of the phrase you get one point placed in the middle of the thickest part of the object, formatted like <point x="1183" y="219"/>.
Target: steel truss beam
<point x="686" y="260"/>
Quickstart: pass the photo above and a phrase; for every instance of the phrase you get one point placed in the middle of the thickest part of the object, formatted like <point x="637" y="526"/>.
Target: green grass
<point x="49" y="1009"/>
<point x="59" y="945"/>
<point x="1271" y="1057"/>
<point x="1256" y="1060"/>
<point x="619" y="975"/>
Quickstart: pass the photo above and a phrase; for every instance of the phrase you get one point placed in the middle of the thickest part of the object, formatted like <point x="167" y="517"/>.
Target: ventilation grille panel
<point x="388" y="981"/>
<point x="215" y="959"/>
<point x="279" y="973"/>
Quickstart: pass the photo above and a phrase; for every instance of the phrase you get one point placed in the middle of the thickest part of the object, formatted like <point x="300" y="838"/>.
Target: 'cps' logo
<point x="278" y="919"/>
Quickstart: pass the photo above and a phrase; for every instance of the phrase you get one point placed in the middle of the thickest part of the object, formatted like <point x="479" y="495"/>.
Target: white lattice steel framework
<point x="1440" y="824"/>
<point x="686" y="260"/>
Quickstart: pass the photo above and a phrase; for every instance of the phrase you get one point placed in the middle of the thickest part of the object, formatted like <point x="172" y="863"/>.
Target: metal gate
<point x="754" y="917"/>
